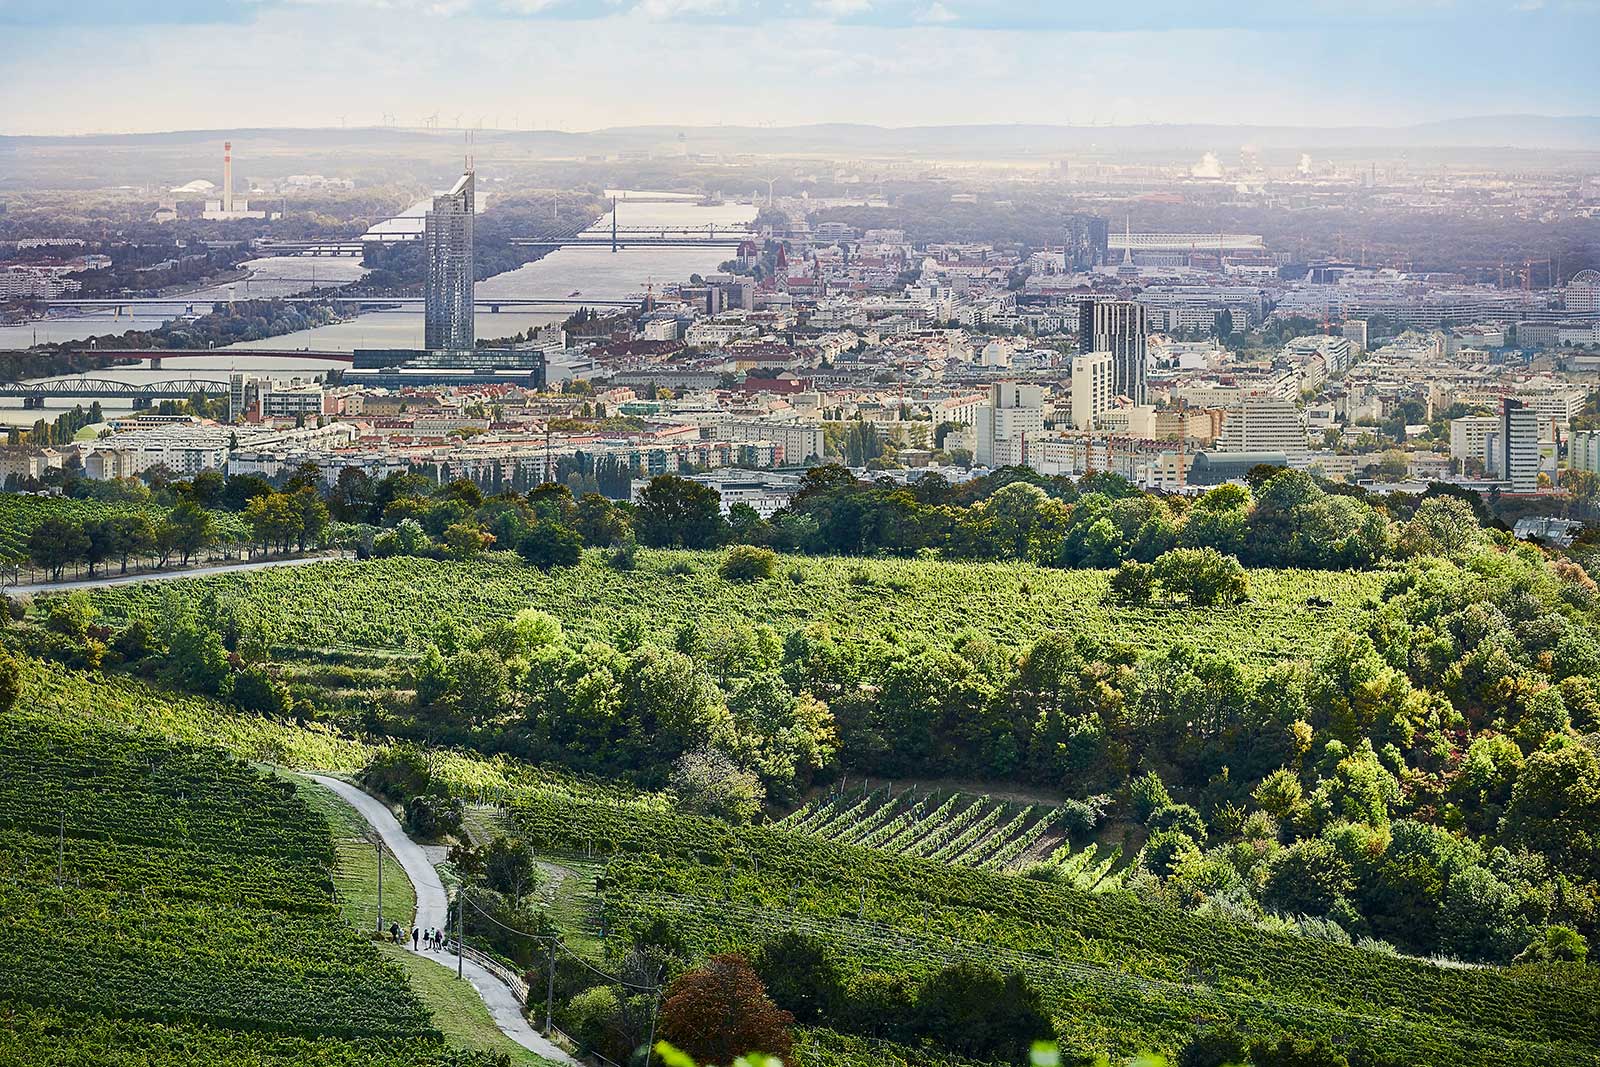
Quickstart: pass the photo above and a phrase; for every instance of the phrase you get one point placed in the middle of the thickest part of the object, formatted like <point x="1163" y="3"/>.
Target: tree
<point x="1555" y="807"/>
<point x="721" y="1010"/>
<point x="55" y="543"/>
<point x="675" y="512"/>
<point x="746" y="563"/>
<point x="549" y="545"/>
<point x="10" y="681"/>
<point x="194" y="530"/>
<point x="1133" y="583"/>
<point x="1550" y="945"/>
<point x="1203" y="575"/>
<point x="131" y="535"/>
<point x="312" y="516"/>
<point x="1442" y="526"/>
<point x="1225" y="1047"/>
<point x="600" y="522"/>
<point x="256" y="690"/>
<point x="1308" y="877"/>
<point x="273" y="520"/>
<point x="975" y="1011"/>
<point x="463" y="540"/>
<point x="102" y="545"/>
<point x="508" y="867"/>
<point x="800" y="976"/>
<point x="709" y="783"/>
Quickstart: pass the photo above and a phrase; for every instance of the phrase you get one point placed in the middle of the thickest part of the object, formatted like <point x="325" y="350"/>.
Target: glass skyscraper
<point x="1118" y="327"/>
<point x="447" y="243"/>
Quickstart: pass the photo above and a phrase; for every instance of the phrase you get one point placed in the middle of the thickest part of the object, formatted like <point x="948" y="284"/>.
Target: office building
<point x="1118" y="327"/>
<point x="1092" y="388"/>
<point x="447" y="246"/>
<point x="1087" y="239"/>
<point x="1355" y="331"/>
<point x="1583" y="452"/>
<point x="1265" y="424"/>
<point x="1517" y="447"/>
<point x="1011" y="413"/>
<point x="1469" y="439"/>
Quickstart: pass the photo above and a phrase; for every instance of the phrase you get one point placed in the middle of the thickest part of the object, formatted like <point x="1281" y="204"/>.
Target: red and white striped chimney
<point x="227" y="175"/>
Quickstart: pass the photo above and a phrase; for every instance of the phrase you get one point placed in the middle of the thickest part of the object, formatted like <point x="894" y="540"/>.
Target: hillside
<point x="168" y="904"/>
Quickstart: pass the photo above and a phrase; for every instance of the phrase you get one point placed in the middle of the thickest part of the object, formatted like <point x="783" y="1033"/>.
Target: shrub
<point x="747" y="563"/>
<point x="1133" y="583"/>
<point x="1146" y="793"/>
<point x="707" y="782"/>
<point x="625" y="556"/>
<point x="395" y="773"/>
<point x="432" y="818"/>
<point x="550" y="545"/>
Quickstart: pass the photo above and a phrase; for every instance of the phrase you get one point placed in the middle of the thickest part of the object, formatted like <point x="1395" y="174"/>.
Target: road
<point x="432" y="913"/>
<point x="162" y="576"/>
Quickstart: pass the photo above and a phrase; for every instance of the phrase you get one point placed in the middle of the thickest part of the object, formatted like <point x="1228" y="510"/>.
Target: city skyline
<point x="513" y="65"/>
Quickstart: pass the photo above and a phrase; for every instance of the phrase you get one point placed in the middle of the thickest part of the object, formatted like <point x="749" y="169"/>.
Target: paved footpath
<point x="432" y="909"/>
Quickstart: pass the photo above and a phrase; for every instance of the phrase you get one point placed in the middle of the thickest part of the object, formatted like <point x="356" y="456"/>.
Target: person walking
<point x="416" y="934"/>
<point x="394" y="932"/>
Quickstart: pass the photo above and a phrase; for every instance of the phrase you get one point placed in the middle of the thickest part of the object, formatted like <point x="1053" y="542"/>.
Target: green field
<point x="400" y="604"/>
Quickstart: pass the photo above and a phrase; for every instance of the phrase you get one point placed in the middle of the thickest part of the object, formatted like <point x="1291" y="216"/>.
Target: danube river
<point x="593" y="273"/>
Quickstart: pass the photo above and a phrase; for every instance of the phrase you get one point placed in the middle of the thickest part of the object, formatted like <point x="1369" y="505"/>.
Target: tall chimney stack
<point x="227" y="175"/>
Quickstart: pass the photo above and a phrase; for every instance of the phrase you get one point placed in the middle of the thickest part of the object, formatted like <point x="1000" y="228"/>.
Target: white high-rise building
<point x="1517" y="443"/>
<point x="1011" y="413"/>
<point x="1469" y="438"/>
<point x="1265" y="424"/>
<point x="1093" y="387"/>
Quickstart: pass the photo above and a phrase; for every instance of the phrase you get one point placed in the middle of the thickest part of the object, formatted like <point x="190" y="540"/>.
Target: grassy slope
<point x="355" y="873"/>
<point x="457" y="1009"/>
<point x="397" y="604"/>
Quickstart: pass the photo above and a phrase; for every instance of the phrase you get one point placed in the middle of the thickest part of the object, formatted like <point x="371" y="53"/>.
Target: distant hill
<point x="148" y="157"/>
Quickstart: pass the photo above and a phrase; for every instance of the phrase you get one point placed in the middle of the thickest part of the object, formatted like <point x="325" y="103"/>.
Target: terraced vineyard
<point x="400" y="604"/>
<point x="167" y="904"/>
<point x="955" y="828"/>
<point x="1117" y="975"/>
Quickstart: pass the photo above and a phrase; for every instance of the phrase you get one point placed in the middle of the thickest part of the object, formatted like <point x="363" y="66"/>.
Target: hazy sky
<point x="74" y="66"/>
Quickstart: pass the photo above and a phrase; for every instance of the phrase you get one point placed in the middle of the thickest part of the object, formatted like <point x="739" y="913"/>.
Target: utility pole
<point x="378" y="844"/>
<point x="655" y="1009"/>
<point x="550" y="991"/>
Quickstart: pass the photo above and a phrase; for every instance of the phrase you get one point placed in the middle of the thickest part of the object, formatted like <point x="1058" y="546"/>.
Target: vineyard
<point x="325" y="612"/>
<point x="166" y="903"/>
<point x="908" y="881"/>
<point x="958" y="829"/>
<point x="1117" y="975"/>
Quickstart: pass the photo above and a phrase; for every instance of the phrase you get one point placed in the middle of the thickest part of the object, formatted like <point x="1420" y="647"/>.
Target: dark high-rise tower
<point x="1086" y="240"/>
<point x="447" y="243"/>
<point x="1118" y="327"/>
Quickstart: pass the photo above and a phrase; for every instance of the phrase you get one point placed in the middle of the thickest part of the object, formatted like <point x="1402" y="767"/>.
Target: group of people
<point x="431" y="939"/>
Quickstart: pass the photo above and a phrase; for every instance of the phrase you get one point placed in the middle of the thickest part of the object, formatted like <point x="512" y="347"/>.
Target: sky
<point x="89" y="66"/>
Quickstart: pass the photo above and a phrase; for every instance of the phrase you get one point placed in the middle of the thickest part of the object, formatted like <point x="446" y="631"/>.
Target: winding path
<point x="432" y="913"/>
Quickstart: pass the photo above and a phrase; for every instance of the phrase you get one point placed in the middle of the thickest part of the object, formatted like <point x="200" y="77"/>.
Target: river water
<point x="596" y="273"/>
